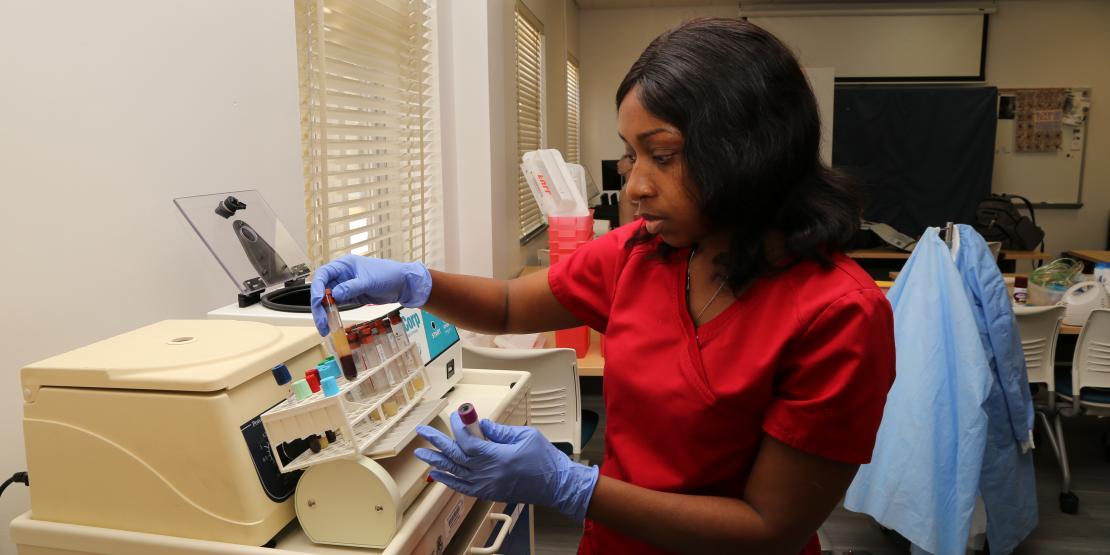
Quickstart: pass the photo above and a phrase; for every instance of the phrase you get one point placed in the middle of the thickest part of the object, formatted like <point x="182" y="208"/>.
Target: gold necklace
<point x="689" y="264"/>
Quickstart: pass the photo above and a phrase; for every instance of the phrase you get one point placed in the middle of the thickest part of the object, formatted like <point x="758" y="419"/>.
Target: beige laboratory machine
<point x="176" y="438"/>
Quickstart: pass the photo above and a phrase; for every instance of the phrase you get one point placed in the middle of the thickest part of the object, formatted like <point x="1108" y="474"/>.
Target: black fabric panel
<point x="923" y="155"/>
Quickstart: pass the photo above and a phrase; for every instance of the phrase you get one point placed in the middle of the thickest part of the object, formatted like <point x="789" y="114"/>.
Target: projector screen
<point x="917" y="47"/>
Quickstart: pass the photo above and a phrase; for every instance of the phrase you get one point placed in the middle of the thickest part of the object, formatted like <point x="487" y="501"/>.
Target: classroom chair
<point x="1038" y="327"/>
<point x="1087" y="389"/>
<point x="554" y="402"/>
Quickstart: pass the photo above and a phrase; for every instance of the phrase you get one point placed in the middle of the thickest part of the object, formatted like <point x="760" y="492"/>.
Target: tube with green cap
<point x="301" y="390"/>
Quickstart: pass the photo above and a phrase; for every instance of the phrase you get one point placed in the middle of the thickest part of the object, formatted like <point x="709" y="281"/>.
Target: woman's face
<point x="658" y="183"/>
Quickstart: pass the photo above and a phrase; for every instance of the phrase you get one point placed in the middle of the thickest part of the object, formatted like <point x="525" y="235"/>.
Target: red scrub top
<point x="805" y="355"/>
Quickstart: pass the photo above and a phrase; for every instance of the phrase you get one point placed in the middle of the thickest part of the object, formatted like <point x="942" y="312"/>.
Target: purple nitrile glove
<point x="516" y="464"/>
<point x="369" y="281"/>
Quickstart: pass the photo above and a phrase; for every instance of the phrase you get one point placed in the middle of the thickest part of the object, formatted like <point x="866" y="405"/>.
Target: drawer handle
<point x="506" y="523"/>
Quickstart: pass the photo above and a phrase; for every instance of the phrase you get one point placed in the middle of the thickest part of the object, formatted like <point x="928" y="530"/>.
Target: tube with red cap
<point x="338" y="336"/>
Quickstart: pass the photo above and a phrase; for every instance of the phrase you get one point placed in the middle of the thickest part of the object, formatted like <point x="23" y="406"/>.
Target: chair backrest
<point x="1038" y="327"/>
<point x="554" y="401"/>
<point x="1091" y="365"/>
<point x="995" y="248"/>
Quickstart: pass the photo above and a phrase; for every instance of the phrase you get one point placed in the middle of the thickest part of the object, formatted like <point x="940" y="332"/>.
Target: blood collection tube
<point x="350" y="367"/>
<point x="338" y="335"/>
<point x="331" y="368"/>
<point x="379" y="346"/>
<point x="329" y="386"/>
<point x="369" y="352"/>
<point x="384" y="376"/>
<point x="411" y="362"/>
<point x="355" y="337"/>
<point x="301" y="391"/>
<point x="398" y="327"/>
<point x="469" y="418"/>
<point x="393" y="374"/>
<point x="364" y="363"/>
<point x="283" y="378"/>
<point x="389" y="344"/>
<point x="312" y="376"/>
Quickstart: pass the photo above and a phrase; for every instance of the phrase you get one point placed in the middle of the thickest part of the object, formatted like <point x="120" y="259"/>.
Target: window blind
<point x="573" y="111"/>
<point x="369" y="129"/>
<point x="529" y="111"/>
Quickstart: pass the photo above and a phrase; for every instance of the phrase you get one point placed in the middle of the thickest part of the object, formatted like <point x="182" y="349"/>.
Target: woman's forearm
<point x="474" y="303"/>
<point x="686" y="523"/>
<point x="495" y="306"/>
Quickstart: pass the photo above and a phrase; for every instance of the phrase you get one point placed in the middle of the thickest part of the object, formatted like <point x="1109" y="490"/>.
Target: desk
<point x="879" y="254"/>
<point x="1090" y="256"/>
<point x="888" y="259"/>
<point x="891" y="253"/>
<point x="1025" y="255"/>
<point x="1070" y="330"/>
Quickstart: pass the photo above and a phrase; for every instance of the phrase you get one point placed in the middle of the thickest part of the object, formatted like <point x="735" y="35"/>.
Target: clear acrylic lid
<point x="246" y="238"/>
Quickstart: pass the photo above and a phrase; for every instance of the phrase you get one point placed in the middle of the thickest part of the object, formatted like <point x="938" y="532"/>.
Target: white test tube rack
<point x="361" y="422"/>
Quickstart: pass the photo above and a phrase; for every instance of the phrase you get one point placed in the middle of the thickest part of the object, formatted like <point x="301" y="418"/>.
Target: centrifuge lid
<point x="250" y="243"/>
<point x="175" y="355"/>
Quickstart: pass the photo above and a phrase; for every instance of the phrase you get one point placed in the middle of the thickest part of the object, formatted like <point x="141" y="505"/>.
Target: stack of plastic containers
<point x="570" y="224"/>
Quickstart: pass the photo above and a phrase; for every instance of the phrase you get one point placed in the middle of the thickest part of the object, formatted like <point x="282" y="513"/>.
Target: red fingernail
<point x="430" y="479"/>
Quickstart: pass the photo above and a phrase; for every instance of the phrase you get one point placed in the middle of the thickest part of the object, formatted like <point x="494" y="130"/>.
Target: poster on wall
<point x="1039" y="116"/>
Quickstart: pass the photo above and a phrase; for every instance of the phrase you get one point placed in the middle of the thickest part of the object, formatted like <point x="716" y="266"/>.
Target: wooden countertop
<point x="883" y="254"/>
<point x="1090" y="256"/>
<point x="1026" y="255"/>
<point x="895" y="254"/>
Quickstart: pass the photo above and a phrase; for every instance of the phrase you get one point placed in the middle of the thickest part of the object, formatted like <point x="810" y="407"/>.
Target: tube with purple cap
<point x="469" y="418"/>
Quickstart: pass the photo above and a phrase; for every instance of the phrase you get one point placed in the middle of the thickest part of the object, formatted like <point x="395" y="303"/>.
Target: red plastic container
<point x="574" y="338"/>
<point x="567" y="233"/>
<point x="564" y="235"/>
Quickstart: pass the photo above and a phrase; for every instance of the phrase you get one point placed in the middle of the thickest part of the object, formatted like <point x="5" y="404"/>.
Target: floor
<point x="1086" y="533"/>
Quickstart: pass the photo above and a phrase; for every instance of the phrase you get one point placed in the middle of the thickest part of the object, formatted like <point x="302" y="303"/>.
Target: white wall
<point x="480" y="128"/>
<point x="468" y="184"/>
<point x="913" y="45"/>
<point x="1079" y="31"/>
<point x="609" y="43"/>
<point x="110" y="110"/>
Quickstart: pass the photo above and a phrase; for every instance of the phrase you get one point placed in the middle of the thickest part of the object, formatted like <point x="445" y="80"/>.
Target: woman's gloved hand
<point x="369" y="281"/>
<point x="516" y="465"/>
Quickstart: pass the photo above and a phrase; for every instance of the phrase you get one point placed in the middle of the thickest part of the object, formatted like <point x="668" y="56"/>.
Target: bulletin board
<point x="1040" y="145"/>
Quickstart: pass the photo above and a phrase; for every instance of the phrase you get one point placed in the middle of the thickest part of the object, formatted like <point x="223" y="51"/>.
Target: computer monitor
<point x="610" y="177"/>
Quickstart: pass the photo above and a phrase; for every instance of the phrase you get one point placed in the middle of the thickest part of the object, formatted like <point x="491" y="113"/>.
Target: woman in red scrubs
<point x="747" y="359"/>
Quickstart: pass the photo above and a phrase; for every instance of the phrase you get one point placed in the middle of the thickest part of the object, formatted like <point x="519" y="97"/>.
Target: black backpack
<point x="998" y="219"/>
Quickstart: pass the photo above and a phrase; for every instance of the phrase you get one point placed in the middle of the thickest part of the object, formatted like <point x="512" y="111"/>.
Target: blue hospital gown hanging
<point x="923" y="478"/>
<point x="1007" y="482"/>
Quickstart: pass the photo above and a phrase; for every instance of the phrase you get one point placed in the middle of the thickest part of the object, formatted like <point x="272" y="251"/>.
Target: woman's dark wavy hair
<point x="752" y="133"/>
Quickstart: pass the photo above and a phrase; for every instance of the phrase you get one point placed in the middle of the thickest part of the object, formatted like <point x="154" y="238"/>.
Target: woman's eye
<point x="663" y="159"/>
<point x="624" y="165"/>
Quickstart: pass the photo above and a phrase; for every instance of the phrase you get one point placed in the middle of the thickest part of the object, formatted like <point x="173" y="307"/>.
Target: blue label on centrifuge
<point x="440" y="334"/>
<point x="432" y="334"/>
